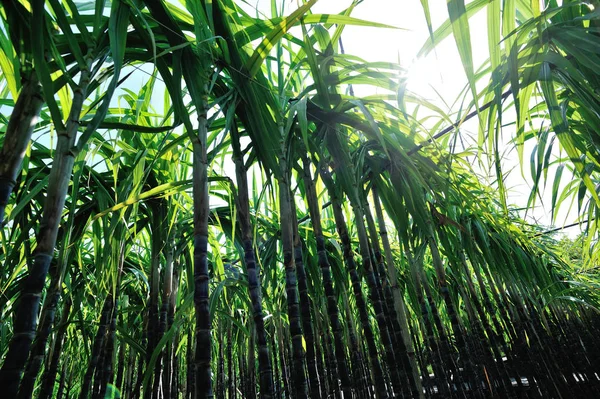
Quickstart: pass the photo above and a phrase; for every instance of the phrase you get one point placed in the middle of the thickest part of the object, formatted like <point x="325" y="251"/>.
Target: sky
<point x="439" y="77"/>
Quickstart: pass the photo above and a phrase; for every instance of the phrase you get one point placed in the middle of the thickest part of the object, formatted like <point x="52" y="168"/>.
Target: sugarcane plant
<point x="194" y="203"/>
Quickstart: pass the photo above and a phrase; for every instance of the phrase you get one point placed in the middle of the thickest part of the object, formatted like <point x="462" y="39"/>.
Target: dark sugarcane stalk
<point x="370" y="391"/>
<point x="287" y="352"/>
<point x="537" y="383"/>
<point x="365" y="388"/>
<point x="359" y="379"/>
<point x="38" y="348"/>
<point x="345" y="171"/>
<point x="299" y="361"/>
<point x="158" y="387"/>
<point x="99" y="370"/>
<point x="436" y="358"/>
<point x="404" y="368"/>
<point x="276" y="375"/>
<point x="371" y="278"/>
<point x="497" y="330"/>
<point x="327" y="359"/>
<point x="120" y="367"/>
<point x="321" y="355"/>
<point x="175" y="381"/>
<point x="568" y="348"/>
<point x="154" y="327"/>
<point x="254" y="285"/>
<point x="49" y="376"/>
<point x="230" y="365"/>
<point x="20" y="126"/>
<point x="129" y="373"/>
<point x="332" y="308"/>
<point x="196" y="76"/>
<point x="285" y="371"/>
<point x="543" y="350"/>
<point x="137" y="385"/>
<point x="398" y="301"/>
<point x="221" y="363"/>
<point x="457" y="328"/>
<point x="516" y="333"/>
<point x="377" y="371"/>
<point x="421" y="353"/>
<point x="172" y="367"/>
<point x="61" y="382"/>
<point x="314" y="380"/>
<point x="242" y="368"/>
<point x="190" y="387"/>
<point x="26" y="310"/>
<point x="236" y="381"/>
<point x="167" y="318"/>
<point x="250" y="370"/>
<point x="505" y="322"/>
<point x="249" y="390"/>
<point x="28" y="303"/>
<point x="135" y="379"/>
<point x="330" y="363"/>
<point x="495" y="356"/>
<point x="97" y="348"/>
<point x="481" y="358"/>
<point x="108" y="366"/>
<point x="47" y="317"/>
<point x="576" y="338"/>
<point x="202" y="359"/>
<point x="447" y="352"/>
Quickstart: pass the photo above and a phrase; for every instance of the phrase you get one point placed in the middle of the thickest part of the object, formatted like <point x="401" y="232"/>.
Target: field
<point x="196" y="203"/>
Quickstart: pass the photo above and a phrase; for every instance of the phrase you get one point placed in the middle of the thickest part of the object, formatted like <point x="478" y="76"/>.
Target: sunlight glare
<point x="423" y="77"/>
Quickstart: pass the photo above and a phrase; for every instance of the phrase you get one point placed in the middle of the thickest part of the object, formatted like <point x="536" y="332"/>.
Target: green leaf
<point x="555" y="186"/>
<point x="8" y="71"/>
<point x="331" y="19"/>
<point x="560" y="125"/>
<point x="446" y="28"/>
<point x="117" y="33"/>
<point x="426" y="11"/>
<point x="462" y="36"/>
<point x="263" y="49"/>
<point x="39" y="35"/>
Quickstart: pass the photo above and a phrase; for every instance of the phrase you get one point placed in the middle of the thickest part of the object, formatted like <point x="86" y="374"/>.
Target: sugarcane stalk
<point x="376" y="370"/>
<point x="20" y="126"/>
<point x="254" y="286"/>
<point x="332" y="308"/>
<point x="300" y="385"/>
<point x="27" y="308"/>
<point x="49" y="376"/>
<point x="398" y="298"/>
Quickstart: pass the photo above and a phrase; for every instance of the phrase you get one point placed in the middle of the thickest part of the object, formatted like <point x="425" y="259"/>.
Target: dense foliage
<point x="194" y="203"/>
